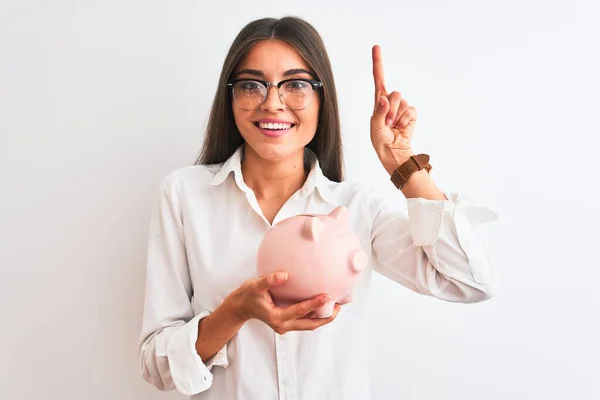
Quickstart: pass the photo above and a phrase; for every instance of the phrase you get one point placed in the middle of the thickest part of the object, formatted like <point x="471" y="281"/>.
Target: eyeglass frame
<point x="315" y="84"/>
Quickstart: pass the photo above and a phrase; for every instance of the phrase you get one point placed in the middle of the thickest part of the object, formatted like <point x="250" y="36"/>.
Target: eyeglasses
<point x="296" y="94"/>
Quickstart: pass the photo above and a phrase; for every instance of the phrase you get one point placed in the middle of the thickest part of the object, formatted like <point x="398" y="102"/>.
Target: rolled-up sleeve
<point x="167" y="350"/>
<point x="435" y="247"/>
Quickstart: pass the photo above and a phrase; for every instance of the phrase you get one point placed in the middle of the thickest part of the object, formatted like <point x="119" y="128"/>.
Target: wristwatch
<point x="413" y="164"/>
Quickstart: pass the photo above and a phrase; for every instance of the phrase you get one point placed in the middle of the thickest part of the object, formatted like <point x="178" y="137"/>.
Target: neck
<point x="273" y="179"/>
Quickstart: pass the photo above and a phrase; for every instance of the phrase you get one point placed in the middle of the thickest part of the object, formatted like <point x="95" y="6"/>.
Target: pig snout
<point x="358" y="260"/>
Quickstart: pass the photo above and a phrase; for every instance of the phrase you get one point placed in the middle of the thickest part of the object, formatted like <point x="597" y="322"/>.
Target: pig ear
<point x="340" y="213"/>
<point x="312" y="228"/>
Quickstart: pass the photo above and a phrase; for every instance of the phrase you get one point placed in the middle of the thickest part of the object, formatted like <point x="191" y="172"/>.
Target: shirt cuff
<point x="190" y="375"/>
<point x="426" y="217"/>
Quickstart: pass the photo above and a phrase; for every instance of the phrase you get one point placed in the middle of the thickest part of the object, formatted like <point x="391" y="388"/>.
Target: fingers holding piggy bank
<point x="253" y="300"/>
<point x="320" y="254"/>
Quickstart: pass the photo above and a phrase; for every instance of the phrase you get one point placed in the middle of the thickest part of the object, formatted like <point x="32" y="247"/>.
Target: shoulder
<point x="189" y="177"/>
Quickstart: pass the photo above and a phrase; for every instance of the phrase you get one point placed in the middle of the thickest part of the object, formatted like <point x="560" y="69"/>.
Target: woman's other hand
<point x="253" y="300"/>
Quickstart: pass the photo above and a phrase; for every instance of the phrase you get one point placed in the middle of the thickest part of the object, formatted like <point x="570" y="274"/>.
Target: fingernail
<point x="381" y="101"/>
<point x="388" y="121"/>
<point x="280" y="276"/>
<point x="325" y="299"/>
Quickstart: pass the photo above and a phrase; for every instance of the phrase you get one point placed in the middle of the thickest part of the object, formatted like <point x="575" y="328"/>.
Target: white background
<point x="100" y="100"/>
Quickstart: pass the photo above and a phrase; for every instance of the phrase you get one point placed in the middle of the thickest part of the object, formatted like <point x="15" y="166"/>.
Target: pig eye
<point x="339" y="236"/>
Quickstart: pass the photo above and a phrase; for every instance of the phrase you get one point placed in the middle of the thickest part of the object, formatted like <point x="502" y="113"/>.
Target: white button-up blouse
<point x="205" y="229"/>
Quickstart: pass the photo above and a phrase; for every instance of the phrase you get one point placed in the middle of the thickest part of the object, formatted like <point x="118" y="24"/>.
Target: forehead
<point x="273" y="58"/>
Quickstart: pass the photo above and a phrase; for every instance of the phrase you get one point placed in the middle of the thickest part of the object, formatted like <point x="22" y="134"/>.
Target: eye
<point x="248" y="86"/>
<point x="296" y="86"/>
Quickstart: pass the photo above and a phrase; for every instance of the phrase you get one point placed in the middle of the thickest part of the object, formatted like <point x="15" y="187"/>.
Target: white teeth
<point x="274" y="126"/>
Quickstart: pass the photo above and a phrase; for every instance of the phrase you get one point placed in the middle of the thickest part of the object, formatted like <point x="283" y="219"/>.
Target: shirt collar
<point x="315" y="179"/>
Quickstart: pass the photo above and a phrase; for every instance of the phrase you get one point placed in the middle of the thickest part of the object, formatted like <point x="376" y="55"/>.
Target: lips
<point x="274" y="128"/>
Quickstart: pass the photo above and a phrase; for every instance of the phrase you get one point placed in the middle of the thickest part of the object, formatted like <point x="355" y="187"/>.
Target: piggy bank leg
<point x="346" y="299"/>
<point x="325" y="310"/>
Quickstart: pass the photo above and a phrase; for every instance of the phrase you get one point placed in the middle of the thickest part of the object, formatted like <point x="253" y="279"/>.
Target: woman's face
<point x="274" y="130"/>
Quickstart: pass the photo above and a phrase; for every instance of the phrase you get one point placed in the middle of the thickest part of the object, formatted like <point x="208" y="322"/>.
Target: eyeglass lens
<point x="249" y="94"/>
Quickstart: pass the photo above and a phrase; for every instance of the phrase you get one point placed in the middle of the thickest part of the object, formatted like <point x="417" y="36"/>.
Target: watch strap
<point x="413" y="164"/>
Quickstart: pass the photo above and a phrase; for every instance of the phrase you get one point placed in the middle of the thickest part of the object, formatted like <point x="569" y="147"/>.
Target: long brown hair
<point x="222" y="135"/>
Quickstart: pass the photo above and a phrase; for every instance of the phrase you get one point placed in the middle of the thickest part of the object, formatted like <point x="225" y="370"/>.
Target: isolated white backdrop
<point x="99" y="100"/>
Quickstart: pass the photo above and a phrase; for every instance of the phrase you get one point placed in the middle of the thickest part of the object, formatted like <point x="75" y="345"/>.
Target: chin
<point x="276" y="148"/>
<point x="273" y="151"/>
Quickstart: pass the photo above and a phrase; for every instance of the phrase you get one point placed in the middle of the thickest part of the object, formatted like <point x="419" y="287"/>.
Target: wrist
<point x="233" y="307"/>
<point x="392" y="159"/>
<point x="415" y="165"/>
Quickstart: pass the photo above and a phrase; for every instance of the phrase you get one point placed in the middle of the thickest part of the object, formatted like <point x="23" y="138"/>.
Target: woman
<point x="273" y="150"/>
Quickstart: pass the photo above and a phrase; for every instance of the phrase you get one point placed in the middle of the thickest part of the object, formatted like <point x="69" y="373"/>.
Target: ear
<point x="312" y="228"/>
<point x="340" y="213"/>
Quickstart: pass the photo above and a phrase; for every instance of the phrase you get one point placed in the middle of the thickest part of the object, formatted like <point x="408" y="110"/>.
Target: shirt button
<point x="286" y="382"/>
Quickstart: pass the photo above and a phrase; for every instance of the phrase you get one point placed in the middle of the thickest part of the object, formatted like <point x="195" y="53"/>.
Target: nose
<point x="273" y="102"/>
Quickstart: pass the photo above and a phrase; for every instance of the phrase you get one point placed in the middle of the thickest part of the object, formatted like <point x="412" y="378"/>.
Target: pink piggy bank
<point x="320" y="253"/>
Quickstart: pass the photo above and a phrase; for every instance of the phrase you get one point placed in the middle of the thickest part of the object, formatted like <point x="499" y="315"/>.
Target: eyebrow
<point x="255" y="72"/>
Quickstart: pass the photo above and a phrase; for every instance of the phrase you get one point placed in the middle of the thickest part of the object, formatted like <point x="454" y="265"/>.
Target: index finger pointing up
<point x="378" y="73"/>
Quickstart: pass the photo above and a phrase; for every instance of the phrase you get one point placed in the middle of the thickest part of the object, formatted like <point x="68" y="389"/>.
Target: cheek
<point x="240" y="118"/>
<point x="311" y="116"/>
<point x="237" y="114"/>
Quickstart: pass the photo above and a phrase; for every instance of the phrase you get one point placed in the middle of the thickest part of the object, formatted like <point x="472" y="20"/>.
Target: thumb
<point x="381" y="109"/>
<point x="273" y="279"/>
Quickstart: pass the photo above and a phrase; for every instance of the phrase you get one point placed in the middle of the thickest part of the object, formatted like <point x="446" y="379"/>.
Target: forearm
<point x="421" y="185"/>
<point x="217" y="329"/>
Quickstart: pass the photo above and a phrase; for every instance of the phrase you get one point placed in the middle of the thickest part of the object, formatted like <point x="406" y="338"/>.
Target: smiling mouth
<point x="274" y="126"/>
